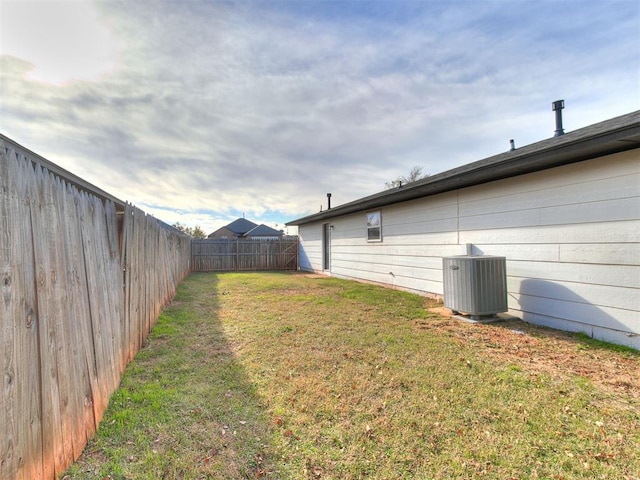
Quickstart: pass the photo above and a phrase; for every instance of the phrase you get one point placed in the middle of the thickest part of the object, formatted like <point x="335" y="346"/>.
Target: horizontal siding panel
<point x="418" y="285"/>
<point x="614" y="232"/>
<point x="424" y="238"/>
<point x="337" y="240"/>
<point x="549" y="321"/>
<point x="384" y="271"/>
<point x="527" y="252"/>
<point x="601" y="295"/>
<point x="312" y="250"/>
<point x="399" y="250"/>
<point x="603" y="253"/>
<point x="604" y="211"/>
<point x="389" y="260"/>
<point x="308" y="237"/>
<point x="308" y="263"/>
<point x="600" y="189"/>
<point x="407" y="283"/>
<point x="615" y="318"/>
<point x="432" y="250"/>
<point x="342" y="230"/>
<point x="311" y="259"/>
<point x="427" y="226"/>
<point x="310" y="247"/>
<point x="361" y="275"/>
<point x="438" y="238"/>
<point x="601" y="333"/>
<point x="611" y="253"/>
<point x="420" y="211"/>
<point x="615" y="168"/>
<point x="612" y="275"/>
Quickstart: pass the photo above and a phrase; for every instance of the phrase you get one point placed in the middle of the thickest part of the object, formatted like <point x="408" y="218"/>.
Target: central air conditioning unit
<point x="475" y="285"/>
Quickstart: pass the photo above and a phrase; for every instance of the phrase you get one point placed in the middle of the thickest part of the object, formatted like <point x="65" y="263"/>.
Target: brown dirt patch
<point x="544" y="350"/>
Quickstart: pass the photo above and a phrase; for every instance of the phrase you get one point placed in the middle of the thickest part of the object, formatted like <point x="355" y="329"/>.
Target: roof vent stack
<point x="328" y="201"/>
<point x="557" y="107"/>
<point x="513" y="145"/>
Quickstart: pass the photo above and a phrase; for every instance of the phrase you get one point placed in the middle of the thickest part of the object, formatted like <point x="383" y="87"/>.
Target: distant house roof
<point x="245" y="228"/>
<point x="263" y="231"/>
<point x="236" y="228"/>
<point x="241" y="226"/>
<point x="611" y="136"/>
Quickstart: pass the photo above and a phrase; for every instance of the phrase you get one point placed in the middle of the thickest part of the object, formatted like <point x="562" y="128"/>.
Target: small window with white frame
<point x="374" y="227"/>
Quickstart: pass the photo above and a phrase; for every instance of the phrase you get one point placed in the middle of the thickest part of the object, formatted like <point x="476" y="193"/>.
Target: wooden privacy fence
<point x="82" y="281"/>
<point x="244" y="254"/>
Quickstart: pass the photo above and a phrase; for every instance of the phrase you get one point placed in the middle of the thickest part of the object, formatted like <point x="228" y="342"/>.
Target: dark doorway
<point x="326" y="247"/>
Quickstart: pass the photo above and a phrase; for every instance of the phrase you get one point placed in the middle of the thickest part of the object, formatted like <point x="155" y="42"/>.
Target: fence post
<point x="237" y="254"/>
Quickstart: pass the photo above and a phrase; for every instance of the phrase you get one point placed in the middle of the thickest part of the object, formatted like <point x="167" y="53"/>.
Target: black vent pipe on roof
<point x="328" y="201"/>
<point x="557" y="107"/>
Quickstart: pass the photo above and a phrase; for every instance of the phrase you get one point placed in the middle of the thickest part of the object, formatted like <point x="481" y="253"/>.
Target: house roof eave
<point x="605" y="138"/>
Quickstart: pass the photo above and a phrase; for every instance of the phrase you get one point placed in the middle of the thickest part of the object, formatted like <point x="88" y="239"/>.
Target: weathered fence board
<point x="244" y="254"/>
<point x="81" y="413"/>
<point x="81" y="285"/>
<point x="53" y="375"/>
<point x="20" y="430"/>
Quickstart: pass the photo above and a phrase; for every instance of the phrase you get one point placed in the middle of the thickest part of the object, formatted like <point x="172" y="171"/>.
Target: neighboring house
<point x="236" y="229"/>
<point x="565" y="212"/>
<point x="263" y="231"/>
<point x="243" y="228"/>
<point x="223" y="233"/>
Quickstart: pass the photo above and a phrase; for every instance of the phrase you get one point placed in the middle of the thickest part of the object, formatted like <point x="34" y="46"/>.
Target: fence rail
<point x="83" y="278"/>
<point x="244" y="254"/>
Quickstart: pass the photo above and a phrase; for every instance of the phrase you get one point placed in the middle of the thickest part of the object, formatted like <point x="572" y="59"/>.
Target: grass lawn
<point x="290" y="376"/>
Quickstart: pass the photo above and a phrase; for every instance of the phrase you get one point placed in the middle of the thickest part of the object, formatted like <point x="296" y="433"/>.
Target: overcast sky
<point x="200" y="111"/>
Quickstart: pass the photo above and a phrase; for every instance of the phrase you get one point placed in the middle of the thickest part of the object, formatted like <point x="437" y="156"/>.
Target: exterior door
<point x="326" y="247"/>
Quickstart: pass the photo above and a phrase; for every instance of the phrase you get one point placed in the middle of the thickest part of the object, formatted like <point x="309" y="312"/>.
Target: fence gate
<point x="244" y="254"/>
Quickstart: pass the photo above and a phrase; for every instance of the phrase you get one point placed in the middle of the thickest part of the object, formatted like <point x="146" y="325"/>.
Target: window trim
<point x="374" y="222"/>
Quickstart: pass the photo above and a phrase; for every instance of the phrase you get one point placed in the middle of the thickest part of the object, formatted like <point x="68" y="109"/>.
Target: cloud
<point x="62" y="40"/>
<point x="206" y="110"/>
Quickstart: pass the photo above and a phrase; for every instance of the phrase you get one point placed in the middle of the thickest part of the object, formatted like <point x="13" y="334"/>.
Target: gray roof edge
<point x="603" y="138"/>
<point x="263" y="230"/>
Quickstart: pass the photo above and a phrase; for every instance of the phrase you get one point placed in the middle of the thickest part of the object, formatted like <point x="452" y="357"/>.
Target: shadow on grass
<point x="185" y="408"/>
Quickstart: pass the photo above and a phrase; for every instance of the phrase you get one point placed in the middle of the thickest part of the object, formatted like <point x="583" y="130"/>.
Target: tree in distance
<point x="195" y="232"/>
<point x="414" y="175"/>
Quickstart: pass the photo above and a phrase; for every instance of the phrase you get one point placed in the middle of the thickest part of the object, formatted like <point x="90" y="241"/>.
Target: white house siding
<point x="310" y="248"/>
<point x="415" y="238"/>
<point x="571" y="236"/>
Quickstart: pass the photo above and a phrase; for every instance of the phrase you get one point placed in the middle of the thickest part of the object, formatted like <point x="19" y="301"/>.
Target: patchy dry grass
<point x="287" y="376"/>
